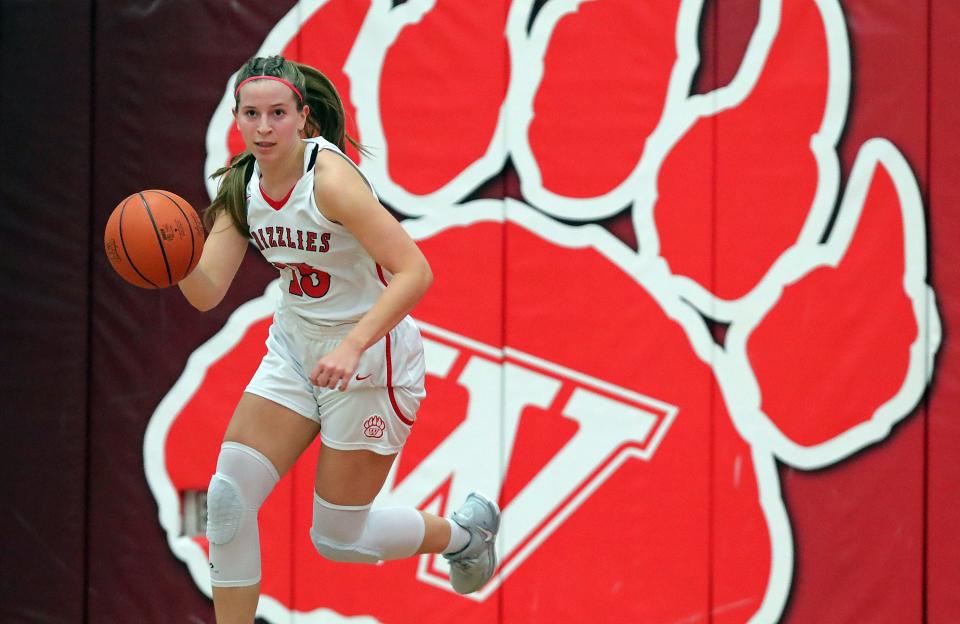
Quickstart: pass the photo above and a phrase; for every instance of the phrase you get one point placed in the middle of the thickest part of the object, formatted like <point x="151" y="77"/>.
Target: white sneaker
<point x="473" y="565"/>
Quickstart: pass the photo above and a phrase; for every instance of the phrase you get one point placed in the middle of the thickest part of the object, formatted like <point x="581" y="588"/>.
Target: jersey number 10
<point x="306" y="280"/>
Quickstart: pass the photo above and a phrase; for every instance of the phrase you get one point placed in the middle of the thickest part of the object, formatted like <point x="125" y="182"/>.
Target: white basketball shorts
<point x="380" y="404"/>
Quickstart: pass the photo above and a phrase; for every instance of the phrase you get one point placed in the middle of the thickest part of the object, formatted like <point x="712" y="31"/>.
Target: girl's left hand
<point x="336" y="368"/>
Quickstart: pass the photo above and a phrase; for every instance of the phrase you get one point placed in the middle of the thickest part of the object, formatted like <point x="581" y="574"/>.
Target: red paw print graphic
<point x="571" y="376"/>
<point x="373" y="427"/>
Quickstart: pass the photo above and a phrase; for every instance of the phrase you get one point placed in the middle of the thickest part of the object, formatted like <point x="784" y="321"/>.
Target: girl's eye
<point x="279" y="112"/>
<point x="251" y="113"/>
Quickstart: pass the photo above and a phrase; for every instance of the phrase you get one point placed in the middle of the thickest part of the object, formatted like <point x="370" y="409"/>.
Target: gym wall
<point x="696" y="276"/>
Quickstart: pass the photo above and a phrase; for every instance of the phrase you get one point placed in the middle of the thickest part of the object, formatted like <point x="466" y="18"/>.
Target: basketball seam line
<point x="123" y="209"/>
<point x="163" y="251"/>
<point x="189" y="227"/>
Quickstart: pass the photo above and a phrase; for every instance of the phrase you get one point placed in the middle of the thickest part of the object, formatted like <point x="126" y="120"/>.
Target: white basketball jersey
<point x="327" y="277"/>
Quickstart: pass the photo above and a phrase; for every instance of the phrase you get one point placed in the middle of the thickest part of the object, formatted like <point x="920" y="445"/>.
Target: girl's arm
<point x="223" y="251"/>
<point x="344" y="197"/>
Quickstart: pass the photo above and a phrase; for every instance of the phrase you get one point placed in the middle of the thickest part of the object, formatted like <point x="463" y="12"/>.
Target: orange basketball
<point x="153" y="239"/>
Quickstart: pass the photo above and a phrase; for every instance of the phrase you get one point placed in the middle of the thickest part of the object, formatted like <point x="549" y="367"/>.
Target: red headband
<point x="236" y="94"/>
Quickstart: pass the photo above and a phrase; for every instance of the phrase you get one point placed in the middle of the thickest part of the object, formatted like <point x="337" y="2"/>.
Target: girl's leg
<point x="280" y="435"/>
<point x="354" y="478"/>
<point x="346" y="529"/>
<point x="436" y="534"/>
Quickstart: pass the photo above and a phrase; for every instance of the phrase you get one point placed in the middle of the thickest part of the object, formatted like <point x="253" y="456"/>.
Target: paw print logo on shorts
<point x="650" y="301"/>
<point x="374" y="426"/>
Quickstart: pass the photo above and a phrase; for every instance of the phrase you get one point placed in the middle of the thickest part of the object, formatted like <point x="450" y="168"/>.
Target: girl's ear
<point x="304" y="121"/>
<point x="304" y="115"/>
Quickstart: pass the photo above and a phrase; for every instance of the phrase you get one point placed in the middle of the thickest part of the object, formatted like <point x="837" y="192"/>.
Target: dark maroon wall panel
<point x="44" y="219"/>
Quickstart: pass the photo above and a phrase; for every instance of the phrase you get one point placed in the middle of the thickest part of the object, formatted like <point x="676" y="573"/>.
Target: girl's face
<point x="268" y="119"/>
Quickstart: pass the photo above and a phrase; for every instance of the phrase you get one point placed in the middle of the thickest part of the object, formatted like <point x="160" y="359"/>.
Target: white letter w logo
<point x="613" y="425"/>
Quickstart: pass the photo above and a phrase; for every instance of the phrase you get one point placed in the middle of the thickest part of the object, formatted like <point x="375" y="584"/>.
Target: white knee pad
<point x="354" y="534"/>
<point x="242" y="482"/>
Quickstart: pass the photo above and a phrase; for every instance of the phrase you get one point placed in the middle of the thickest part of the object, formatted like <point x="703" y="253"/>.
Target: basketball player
<point x="343" y="356"/>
